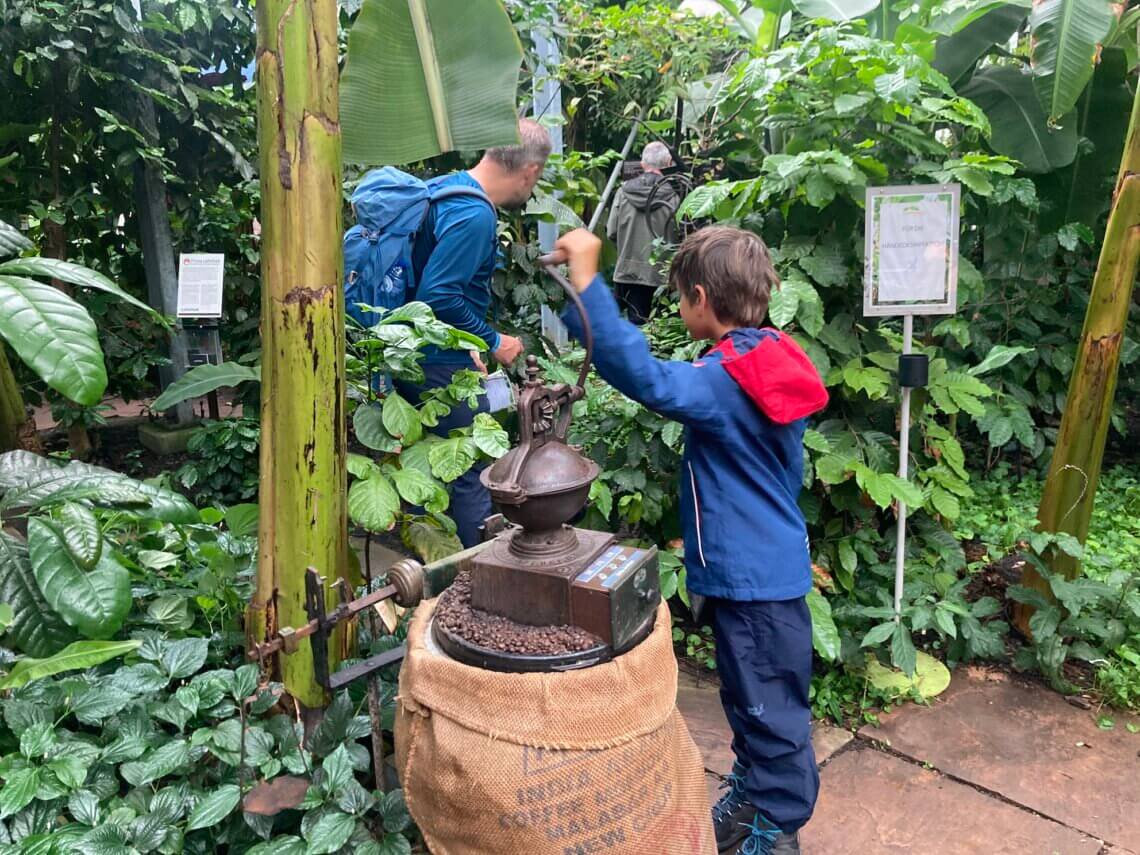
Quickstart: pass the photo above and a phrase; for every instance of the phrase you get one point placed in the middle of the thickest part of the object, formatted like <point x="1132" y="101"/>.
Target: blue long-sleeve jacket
<point x="744" y="406"/>
<point x="454" y="257"/>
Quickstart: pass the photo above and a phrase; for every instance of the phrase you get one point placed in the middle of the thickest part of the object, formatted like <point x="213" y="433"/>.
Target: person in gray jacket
<point x="643" y="210"/>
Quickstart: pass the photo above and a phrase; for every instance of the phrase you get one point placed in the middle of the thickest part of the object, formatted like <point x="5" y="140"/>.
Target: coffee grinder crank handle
<point x="587" y="333"/>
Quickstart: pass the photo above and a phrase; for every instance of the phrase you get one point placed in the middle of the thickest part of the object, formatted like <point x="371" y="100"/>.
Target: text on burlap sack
<point x="594" y="801"/>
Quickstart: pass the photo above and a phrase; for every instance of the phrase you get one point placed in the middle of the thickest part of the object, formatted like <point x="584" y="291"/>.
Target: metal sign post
<point x="911" y="269"/>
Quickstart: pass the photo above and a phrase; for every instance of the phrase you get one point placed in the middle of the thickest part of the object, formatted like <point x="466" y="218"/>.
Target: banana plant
<point x="49" y="331"/>
<point x="424" y="77"/>
<point x="1070" y="488"/>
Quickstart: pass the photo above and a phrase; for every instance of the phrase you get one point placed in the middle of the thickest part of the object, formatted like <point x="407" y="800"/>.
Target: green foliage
<point x="155" y="755"/>
<point x="203" y="379"/>
<point x="405" y="484"/>
<point x="223" y="462"/>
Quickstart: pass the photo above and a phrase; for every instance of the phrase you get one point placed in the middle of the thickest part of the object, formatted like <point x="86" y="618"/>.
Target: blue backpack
<point x="391" y="208"/>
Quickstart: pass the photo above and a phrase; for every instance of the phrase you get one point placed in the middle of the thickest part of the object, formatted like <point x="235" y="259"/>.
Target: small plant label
<point x="911" y="250"/>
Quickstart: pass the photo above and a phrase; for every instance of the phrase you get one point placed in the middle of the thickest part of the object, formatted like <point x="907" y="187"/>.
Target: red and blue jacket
<point x="744" y="405"/>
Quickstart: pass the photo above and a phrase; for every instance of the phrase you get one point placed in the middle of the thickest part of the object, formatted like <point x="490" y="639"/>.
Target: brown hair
<point x="734" y="268"/>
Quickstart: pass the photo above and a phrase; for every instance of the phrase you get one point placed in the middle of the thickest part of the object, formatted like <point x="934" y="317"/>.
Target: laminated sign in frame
<point x="911" y="265"/>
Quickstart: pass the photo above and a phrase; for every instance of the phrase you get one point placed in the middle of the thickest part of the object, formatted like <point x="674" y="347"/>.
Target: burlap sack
<point x="591" y="761"/>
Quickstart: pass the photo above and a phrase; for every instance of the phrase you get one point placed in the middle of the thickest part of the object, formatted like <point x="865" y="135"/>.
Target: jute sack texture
<point x="590" y="761"/>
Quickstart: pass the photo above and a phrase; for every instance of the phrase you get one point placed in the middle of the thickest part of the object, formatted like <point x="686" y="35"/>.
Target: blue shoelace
<point x="731" y="801"/>
<point x="761" y="839"/>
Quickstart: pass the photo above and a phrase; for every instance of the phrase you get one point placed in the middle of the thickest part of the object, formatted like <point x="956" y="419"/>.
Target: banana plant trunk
<point x="1067" y="500"/>
<point x="11" y="405"/>
<point x="303" y="476"/>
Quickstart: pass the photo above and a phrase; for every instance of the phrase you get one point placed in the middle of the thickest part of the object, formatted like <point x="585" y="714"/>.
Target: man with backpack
<point x="437" y="242"/>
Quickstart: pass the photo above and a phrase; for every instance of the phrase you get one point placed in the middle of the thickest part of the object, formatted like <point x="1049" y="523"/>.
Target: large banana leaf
<point x="205" y="379"/>
<point x="37" y="629"/>
<point x="1082" y="192"/>
<point x="960" y="49"/>
<point x="11" y="241"/>
<point x="1066" y="38"/>
<point x="835" y="10"/>
<point x="1018" y="125"/>
<point x="428" y="76"/>
<point x="55" y="336"/>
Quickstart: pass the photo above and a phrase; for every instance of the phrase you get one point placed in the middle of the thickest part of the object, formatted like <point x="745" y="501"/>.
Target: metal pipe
<point x="597" y="217"/>
<point x="904" y="453"/>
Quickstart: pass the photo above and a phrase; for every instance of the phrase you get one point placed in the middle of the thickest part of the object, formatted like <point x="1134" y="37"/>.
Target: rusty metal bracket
<point x="405" y="586"/>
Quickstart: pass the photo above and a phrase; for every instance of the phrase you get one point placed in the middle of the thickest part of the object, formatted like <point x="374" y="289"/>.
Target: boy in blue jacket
<point x="743" y="405"/>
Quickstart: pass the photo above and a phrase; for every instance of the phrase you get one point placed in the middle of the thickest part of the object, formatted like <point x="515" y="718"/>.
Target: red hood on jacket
<point x="774" y="372"/>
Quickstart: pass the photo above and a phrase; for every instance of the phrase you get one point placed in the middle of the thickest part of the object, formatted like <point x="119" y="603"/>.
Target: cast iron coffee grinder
<point x="540" y="570"/>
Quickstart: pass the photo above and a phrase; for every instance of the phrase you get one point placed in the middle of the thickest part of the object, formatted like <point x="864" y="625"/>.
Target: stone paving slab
<point x="1032" y="747"/>
<point x="872" y="803"/>
<point x="700" y="706"/>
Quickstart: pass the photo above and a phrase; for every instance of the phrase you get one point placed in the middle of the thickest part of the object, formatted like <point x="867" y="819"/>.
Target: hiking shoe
<point x="732" y="815"/>
<point x="764" y="838"/>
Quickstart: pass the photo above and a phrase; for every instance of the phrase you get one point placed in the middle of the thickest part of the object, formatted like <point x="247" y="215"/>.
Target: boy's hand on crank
<point x="581" y="249"/>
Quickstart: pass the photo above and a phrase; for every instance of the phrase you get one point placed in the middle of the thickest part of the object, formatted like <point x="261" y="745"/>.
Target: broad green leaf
<point x="835" y="10"/>
<point x="286" y="844"/>
<point x="76" y="656"/>
<point x="360" y="466"/>
<point x="18" y="791"/>
<point x="1065" y="38"/>
<point x="242" y="519"/>
<point x="824" y="633"/>
<point x="489" y="436"/>
<point x="429" y="542"/>
<point x="73" y="274"/>
<point x="1018" y="125"/>
<point x="54" y="336"/>
<point x="945" y="503"/>
<point x="602" y="498"/>
<point x="902" y="650"/>
<point x="102" y="486"/>
<point x="373" y="503"/>
<point x="84" y="807"/>
<point x="95" y="602"/>
<point x="329" y="833"/>
<point x="99" y="702"/>
<point x="956" y="54"/>
<point x="156" y="559"/>
<point x="19" y="466"/>
<point x="81" y="533"/>
<point x="394" y="844"/>
<point x="878" y="634"/>
<point x="204" y="379"/>
<point x="420" y="490"/>
<point x="11" y="240"/>
<point x="999" y="355"/>
<point x="337" y="770"/>
<point x="170" y="612"/>
<point x="368" y="425"/>
<point x="37" y="740"/>
<point x="158" y="764"/>
<point x="7" y="615"/>
<point x="36" y="628"/>
<point x="214" y="807"/>
<point x="672" y="433"/>
<point x="426" y="77"/>
<point x="184" y="657"/>
<point x="452" y="457"/>
<point x="547" y="207"/>
<point x="401" y="419"/>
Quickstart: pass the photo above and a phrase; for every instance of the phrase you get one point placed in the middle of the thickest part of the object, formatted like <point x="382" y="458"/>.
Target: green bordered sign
<point x="911" y="250"/>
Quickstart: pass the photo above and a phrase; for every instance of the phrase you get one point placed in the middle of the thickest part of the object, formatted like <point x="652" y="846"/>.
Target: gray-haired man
<point x="643" y="210"/>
